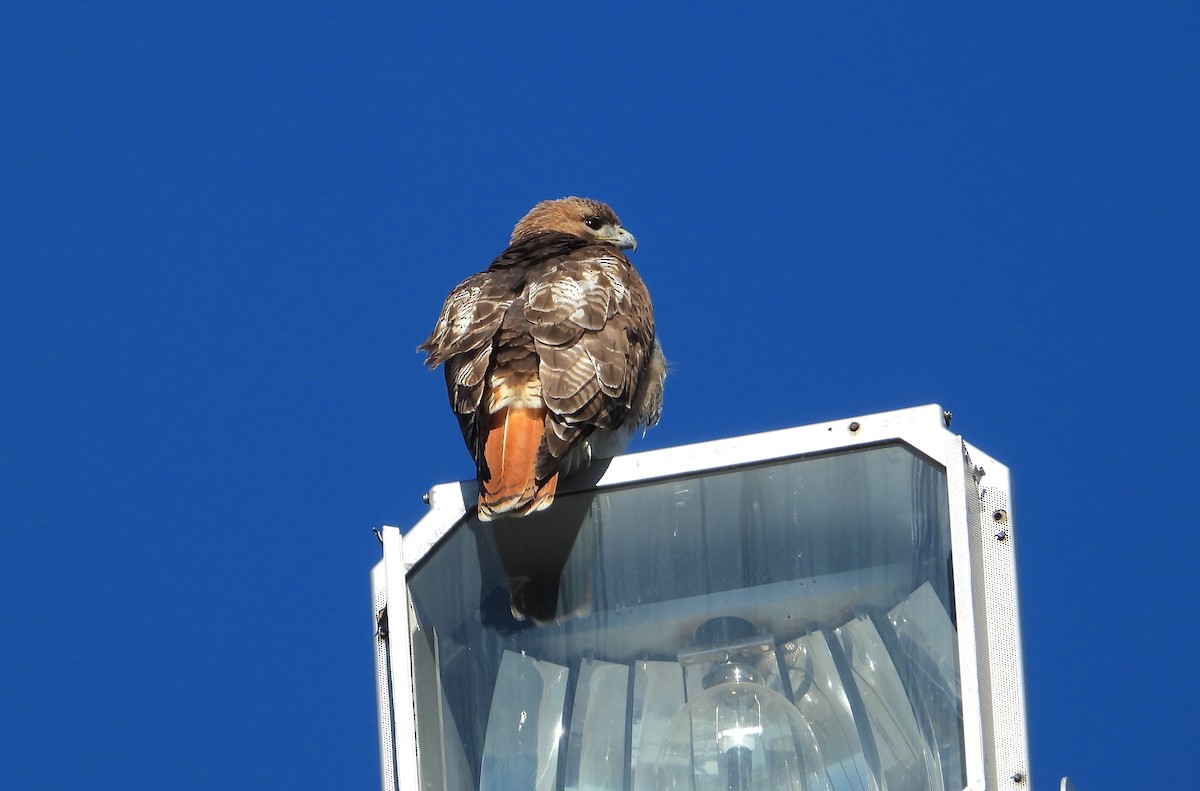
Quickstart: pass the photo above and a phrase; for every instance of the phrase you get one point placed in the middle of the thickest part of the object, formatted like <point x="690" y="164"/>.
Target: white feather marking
<point x="612" y="268"/>
<point x="506" y="390"/>
<point x="463" y="312"/>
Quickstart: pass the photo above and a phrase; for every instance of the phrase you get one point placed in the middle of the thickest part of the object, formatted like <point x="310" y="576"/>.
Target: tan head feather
<point x="583" y="217"/>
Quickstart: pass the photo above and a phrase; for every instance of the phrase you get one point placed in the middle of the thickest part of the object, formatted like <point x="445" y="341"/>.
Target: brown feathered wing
<point x="554" y="342"/>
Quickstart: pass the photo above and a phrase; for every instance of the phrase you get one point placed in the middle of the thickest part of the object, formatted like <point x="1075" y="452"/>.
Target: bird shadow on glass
<point x="547" y="570"/>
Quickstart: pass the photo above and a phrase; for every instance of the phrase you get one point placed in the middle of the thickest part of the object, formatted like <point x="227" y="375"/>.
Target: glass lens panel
<point x="596" y="741"/>
<point x="524" y="725"/>
<point x="817" y="689"/>
<point x="825" y="580"/>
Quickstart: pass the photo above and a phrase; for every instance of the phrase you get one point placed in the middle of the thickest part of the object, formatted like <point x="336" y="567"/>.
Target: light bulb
<point x="734" y="736"/>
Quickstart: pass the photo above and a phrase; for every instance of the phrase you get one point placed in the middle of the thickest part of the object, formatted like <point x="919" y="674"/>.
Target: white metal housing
<point x="982" y="540"/>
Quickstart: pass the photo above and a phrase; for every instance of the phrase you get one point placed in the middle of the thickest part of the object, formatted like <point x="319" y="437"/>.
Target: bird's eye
<point x="595" y="223"/>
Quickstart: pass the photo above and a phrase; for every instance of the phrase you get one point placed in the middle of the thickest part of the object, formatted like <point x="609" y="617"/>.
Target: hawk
<point x="550" y="354"/>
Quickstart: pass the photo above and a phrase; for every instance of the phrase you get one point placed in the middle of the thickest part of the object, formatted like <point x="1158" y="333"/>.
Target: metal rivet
<point x="854" y="426"/>
<point x="1002" y="535"/>
<point x="999" y="515"/>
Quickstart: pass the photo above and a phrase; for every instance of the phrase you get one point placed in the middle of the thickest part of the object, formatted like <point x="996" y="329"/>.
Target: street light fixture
<point x="826" y="607"/>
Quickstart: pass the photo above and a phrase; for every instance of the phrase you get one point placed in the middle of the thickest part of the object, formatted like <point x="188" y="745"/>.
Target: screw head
<point x="854" y="427"/>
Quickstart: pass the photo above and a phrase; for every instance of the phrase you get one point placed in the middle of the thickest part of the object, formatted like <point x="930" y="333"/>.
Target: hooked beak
<point x="621" y="238"/>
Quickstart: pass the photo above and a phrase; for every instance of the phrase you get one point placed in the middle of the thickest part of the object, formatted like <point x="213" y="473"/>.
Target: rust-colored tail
<point x="510" y="450"/>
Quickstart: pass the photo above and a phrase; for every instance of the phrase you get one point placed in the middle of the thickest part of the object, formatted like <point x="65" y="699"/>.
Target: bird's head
<point x="583" y="217"/>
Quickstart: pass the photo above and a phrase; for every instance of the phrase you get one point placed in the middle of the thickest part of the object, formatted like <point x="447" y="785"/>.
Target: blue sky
<point x="226" y="227"/>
